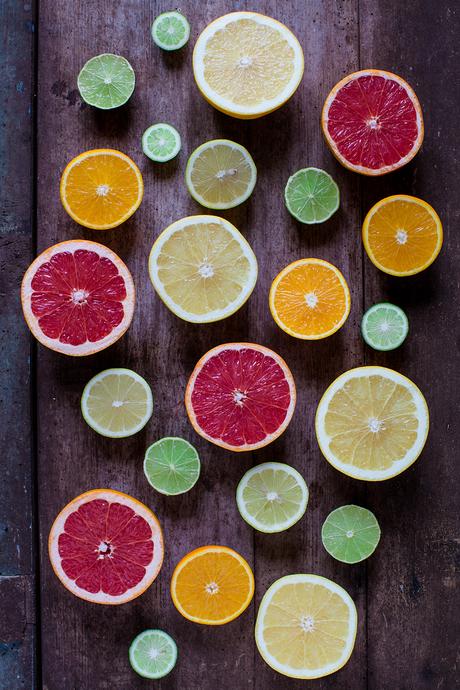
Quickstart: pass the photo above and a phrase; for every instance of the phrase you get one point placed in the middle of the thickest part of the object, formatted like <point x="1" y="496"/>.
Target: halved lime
<point x="172" y="466"/>
<point x="170" y="30"/>
<point x="272" y="497"/>
<point x="311" y="195"/>
<point x="153" y="654"/>
<point x="117" y="403"/>
<point x="106" y="81"/>
<point x="350" y="534"/>
<point x="220" y="174"/>
<point x="384" y="326"/>
<point x="161" y="142"/>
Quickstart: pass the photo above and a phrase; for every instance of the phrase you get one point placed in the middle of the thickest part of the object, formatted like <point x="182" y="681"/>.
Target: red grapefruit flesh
<point x="240" y="396"/>
<point x="106" y="547"/>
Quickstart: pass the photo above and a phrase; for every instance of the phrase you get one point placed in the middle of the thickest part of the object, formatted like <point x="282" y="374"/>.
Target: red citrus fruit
<point x="78" y="297"/>
<point x="240" y="396"/>
<point x="372" y="121"/>
<point x="106" y="547"/>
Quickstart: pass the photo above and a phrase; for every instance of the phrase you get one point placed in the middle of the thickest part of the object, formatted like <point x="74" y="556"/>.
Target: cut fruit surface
<point x="106" y="81"/>
<point x="78" y="297"/>
<point x="106" y="547"/>
<point x="384" y="326"/>
<point x="240" y="396"/>
<point x="247" y="64"/>
<point x="372" y="423"/>
<point x="170" y="30"/>
<point x="311" y="195"/>
<point x="172" y="466"/>
<point x="212" y="585"/>
<point x="372" y="121"/>
<point x="306" y="626"/>
<point x="153" y="654"/>
<point x="161" y="142"/>
<point x="350" y="534"/>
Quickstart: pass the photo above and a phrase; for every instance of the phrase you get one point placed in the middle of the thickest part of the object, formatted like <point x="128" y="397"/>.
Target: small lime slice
<point x="161" y="142"/>
<point x="170" y="30"/>
<point x="172" y="466"/>
<point x="311" y="195"/>
<point x="384" y="326"/>
<point x="272" y="497"/>
<point x="106" y="81"/>
<point x="350" y="534"/>
<point x="153" y="654"/>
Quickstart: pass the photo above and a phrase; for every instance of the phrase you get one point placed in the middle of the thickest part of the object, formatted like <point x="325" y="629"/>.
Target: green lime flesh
<point x="161" y="142"/>
<point x="384" y="326"/>
<point x="350" y="534"/>
<point x="153" y="654"/>
<point x="170" y="30"/>
<point x="311" y="196"/>
<point x="106" y="81"/>
<point x="172" y="466"/>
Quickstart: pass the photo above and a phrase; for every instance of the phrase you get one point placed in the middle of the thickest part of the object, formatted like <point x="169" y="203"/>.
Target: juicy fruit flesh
<point x="153" y="654"/>
<point x="312" y="195"/>
<point x="385" y="326"/>
<point x="117" y="402"/>
<point x="272" y="496"/>
<point x="221" y="174"/>
<point x="350" y="533"/>
<point x="161" y="141"/>
<point x="171" y="30"/>
<point x="106" y="81"/>
<point x="172" y="465"/>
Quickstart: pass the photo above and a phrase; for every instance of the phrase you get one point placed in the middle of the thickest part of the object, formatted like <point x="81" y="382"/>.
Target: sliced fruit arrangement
<point x="153" y="654"/>
<point x="161" y="142"/>
<point x="402" y="235"/>
<point x="170" y="30"/>
<point x="240" y="396"/>
<point x="202" y="268"/>
<point x="78" y="297"/>
<point x="212" y="585"/>
<point x="310" y="299"/>
<point x="372" y="122"/>
<point x="106" y="81"/>
<point x="247" y="64"/>
<point x="372" y="423"/>
<point x="311" y="196"/>
<point x="384" y="326"/>
<point x="350" y="534"/>
<point x="306" y="626"/>
<point x="172" y="466"/>
<point x="106" y="547"/>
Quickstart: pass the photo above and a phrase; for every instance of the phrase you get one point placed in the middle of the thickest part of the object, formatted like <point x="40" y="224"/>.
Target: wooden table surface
<point x="405" y="593"/>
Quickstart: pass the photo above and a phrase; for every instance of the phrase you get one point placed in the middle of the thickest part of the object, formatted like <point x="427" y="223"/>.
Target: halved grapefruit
<point x="78" y="297"/>
<point x="240" y="396"/>
<point x="106" y="547"/>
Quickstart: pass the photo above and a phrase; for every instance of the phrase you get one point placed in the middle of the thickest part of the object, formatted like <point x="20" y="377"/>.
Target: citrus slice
<point x="212" y="585"/>
<point x="402" y="235"/>
<point x="117" y="403"/>
<point x="384" y="326"/>
<point x="102" y="188"/>
<point x="246" y="64"/>
<point x="372" y="122"/>
<point x="240" y="396"/>
<point x="172" y="466"/>
<point x="220" y="174"/>
<point x="372" y="423"/>
<point x="153" y="654"/>
<point x="272" y="497"/>
<point x="311" y="196"/>
<point x="202" y="268"/>
<point x="106" y="81"/>
<point x="310" y="299"/>
<point x="350" y="534"/>
<point x="306" y="626"/>
<point x="106" y="547"/>
<point x="78" y="297"/>
<point x="170" y="30"/>
<point x="161" y="142"/>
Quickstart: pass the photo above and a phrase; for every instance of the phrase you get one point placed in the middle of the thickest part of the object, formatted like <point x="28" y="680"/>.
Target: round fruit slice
<point x="240" y="396"/>
<point x="311" y="196"/>
<point x="372" y="122"/>
<point x="102" y="188"/>
<point x="170" y="30"/>
<point x="117" y="403"/>
<point x="78" y="297"/>
<point x="172" y="466"/>
<point x="153" y="654"/>
<point x="310" y="299"/>
<point x="246" y="64"/>
<point x="220" y="174"/>
<point x="384" y="326"/>
<point x="272" y="497"/>
<point x="402" y="235"/>
<point x="350" y="534"/>
<point x="372" y="423"/>
<point x="202" y="268"/>
<point x="106" y="81"/>
<point x="106" y="547"/>
<point x="161" y="142"/>
<point x="306" y="626"/>
<point x="212" y="585"/>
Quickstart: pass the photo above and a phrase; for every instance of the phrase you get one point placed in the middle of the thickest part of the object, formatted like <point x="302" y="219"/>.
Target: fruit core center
<point x="245" y="61"/>
<point x="373" y="123"/>
<point x="108" y="80"/>
<point x="102" y="190"/>
<point x="350" y="534"/>
<point x="153" y="653"/>
<point x="79" y="296"/>
<point x="311" y="300"/>
<point x="401" y="236"/>
<point x="375" y="425"/>
<point x="161" y="141"/>
<point x="117" y="403"/>
<point x="206" y="270"/>
<point x="272" y="496"/>
<point x="239" y="397"/>
<point x="105" y="549"/>
<point x="384" y="326"/>
<point x="212" y="588"/>
<point x="222" y="174"/>
<point x="307" y="623"/>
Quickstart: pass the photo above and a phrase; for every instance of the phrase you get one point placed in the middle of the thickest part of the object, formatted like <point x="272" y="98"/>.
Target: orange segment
<point x="310" y="299"/>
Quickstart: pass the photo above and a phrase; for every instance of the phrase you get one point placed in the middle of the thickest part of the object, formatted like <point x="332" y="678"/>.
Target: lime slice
<point x="106" y="81"/>
<point x="350" y="534"/>
<point x="170" y="30"/>
<point x="272" y="497"/>
<point x="161" y="142"/>
<point x="153" y="654"/>
<point x="311" y="195"/>
<point x="220" y="174"/>
<point x="384" y="326"/>
<point x="172" y="466"/>
<point x="117" y="403"/>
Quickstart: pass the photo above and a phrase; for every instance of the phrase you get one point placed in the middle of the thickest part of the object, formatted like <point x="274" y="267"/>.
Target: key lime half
<point x="161" y="142"/>
<point x="172" y="466"/>
<point x="153" y="654"/>
<point x="350" y="534"/>
<point x="106" y="81"/>
<point x="170" y="30"/>
<point x="384" y="326"/>
<point x="311" y="196"/>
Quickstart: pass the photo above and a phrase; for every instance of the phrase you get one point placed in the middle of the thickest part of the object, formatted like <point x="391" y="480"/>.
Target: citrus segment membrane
<point x="153" y="654"/>
<point x="384" y="326"/>
<point x="350" y="534"/>
<point x="311" y="195"/>
<point x="170" y="30"/>
<point x="172" y="466"/>
<point x="161" y="142"/>
<point x="106" y="81"/>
